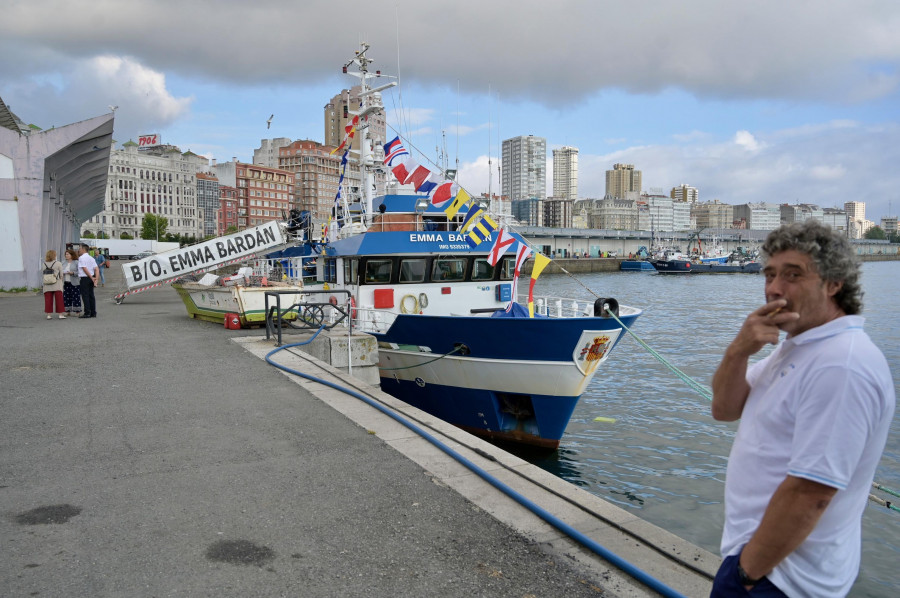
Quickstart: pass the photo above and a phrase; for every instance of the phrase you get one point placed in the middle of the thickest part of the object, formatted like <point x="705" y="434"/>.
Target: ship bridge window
<point x="330" y="272"/>
<point x="507" y="268"/>
<point x="378" y="271"/>
<point x="351" y="271"/>
<point x="449" y="269"/>
<point x="413" y="270"/>
<point x="482" y="270"/>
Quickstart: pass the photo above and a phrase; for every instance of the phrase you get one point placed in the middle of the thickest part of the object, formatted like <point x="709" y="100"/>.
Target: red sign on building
<point x="148" y="140"/>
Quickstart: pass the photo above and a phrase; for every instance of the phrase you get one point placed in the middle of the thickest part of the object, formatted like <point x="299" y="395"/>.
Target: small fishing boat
<point x="212" y="301"/>
<point x="636" y="266"/>
<point x="670" y="260"/>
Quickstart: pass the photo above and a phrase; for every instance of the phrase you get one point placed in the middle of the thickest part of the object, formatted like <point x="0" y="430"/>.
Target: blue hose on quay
<point x="562" y="526"/>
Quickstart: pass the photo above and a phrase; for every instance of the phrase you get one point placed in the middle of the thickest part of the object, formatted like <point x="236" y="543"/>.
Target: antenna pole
<point x="369" y="102"/>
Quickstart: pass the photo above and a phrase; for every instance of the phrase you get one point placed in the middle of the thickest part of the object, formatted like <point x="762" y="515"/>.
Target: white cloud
<point x="86" y="88"/>
<point x="707" y="47"/>
<point x="130" y="85"/>
<point x="827" y="172"/>
<point x="746" y="140"/>
<point x="817" y="164"/>
<point x="475" y="175"/>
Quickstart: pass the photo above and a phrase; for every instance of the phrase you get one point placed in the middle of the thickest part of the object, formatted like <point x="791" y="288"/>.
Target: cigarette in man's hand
<point x="775" y="311"/>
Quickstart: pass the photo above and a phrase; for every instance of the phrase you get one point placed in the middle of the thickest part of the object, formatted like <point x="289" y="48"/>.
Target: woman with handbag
<point x="71" y="289"/>
<point x="53" y="285"/>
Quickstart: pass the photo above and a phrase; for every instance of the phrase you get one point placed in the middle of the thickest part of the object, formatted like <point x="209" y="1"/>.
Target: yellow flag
<point x="540" y="262"/>
<point x="459" y="201"/>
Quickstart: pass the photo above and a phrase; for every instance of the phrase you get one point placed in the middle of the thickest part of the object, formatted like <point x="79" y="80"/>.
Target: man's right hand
<point x="761" y="328"/>
<point x="729" y="384"/>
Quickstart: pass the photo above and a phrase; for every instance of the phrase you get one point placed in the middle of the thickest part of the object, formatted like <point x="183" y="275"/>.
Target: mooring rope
<point x="702" y="390"/>
<point x="705" y="392"/>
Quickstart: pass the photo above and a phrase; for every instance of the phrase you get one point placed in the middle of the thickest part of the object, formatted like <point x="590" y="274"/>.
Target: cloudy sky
<point x="770" y="100"/>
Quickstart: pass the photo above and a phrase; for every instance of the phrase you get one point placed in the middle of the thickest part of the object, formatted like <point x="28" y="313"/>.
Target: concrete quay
<point x="143" y="453"/>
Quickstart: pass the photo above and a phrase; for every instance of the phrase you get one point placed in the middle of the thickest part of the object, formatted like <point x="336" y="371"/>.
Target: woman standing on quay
<point x="71" y="291"/>
<point x="53" y="292"/>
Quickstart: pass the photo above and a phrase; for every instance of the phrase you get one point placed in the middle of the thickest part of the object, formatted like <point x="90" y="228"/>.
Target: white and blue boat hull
<point x="519" y="379"/>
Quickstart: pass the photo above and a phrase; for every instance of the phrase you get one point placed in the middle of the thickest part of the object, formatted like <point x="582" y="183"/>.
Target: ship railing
<point x="289" y="270"/>
<point x="563" y="307"/>
<point x="369" y="319"/>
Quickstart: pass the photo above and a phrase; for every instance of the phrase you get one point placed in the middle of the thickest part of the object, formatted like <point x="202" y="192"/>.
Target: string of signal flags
<point x="477" y="225"/>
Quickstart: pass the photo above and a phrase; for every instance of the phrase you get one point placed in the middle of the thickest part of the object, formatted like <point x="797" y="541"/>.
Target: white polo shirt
<point x="820" y="407"/>
<point x="86" y="261"/>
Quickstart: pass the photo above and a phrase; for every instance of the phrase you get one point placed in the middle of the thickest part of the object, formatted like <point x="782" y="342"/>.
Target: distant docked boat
<point x="636" y="266"/>
<point x="727" y="268"/>
<point x="671" y="261"/>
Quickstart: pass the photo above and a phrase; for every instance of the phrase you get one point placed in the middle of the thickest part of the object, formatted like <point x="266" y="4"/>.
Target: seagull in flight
<point x="269" y="122"/>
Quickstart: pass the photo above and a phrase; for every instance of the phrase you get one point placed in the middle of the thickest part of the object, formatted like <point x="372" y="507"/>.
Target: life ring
<point x="409" y="310"/>
<point x="352" y="303"/>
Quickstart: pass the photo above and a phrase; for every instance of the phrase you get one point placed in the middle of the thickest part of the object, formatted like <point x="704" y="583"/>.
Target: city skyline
<point x="687" y="94"/>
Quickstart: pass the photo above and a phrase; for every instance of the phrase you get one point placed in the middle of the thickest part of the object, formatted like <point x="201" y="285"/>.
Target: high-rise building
<point x="207" y="203"/>
<point x="316" y="175"/>
<point x="800" y="212"/>
<point x="565" y="173"/>
<point x="685" y="193"/>
<point x="229" y="213"/>
<point x="558" y="213"/>
<point x="264" y="193"/>
<point x="857" y="225"/>
<point x="613" y="213"/>
<point x="623" y="178"/>
<point x="267" y="152"/>
<point x="681" y="215"/>
<point x="159" y="180"/>
<point x="524" y="168"/>
<point x="529" y="212"/>
<point x="660" y="211"/>
<point x="713" y="214"/>
<point x="856" y="210"/>
<point x="339" y="111"/>
<point x="758" y="216"/>
<point x="837" y="219"/>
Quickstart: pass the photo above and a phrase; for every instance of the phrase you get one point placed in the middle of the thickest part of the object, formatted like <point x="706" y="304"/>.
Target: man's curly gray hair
<point x="831" y="253"/>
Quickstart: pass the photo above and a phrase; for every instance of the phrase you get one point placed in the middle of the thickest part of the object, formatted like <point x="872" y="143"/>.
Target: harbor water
<point x="656" y="449"/>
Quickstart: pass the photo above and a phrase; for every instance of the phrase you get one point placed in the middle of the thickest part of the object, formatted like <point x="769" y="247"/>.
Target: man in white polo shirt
<point x="89" y="277"/>
<point x="814" y="415"/>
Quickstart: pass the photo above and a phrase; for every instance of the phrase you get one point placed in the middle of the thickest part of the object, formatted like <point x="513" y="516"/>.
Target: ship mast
<point x="370" y="103"/>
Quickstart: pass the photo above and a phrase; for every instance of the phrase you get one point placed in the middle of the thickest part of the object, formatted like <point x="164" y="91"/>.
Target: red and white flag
<point x="418" y="176"/>
<point x="522" y="254"/>
<point x="504" y="241"/>
<point x="444" y="193"/>
<point x="403" y="170"/>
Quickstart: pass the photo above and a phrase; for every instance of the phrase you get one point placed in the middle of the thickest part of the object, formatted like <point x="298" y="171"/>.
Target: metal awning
<point x="76" y="175"/>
